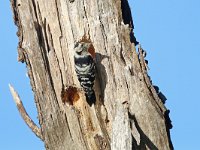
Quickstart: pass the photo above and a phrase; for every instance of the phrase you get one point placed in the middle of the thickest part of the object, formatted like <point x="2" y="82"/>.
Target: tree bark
<point x="128" y="113"/>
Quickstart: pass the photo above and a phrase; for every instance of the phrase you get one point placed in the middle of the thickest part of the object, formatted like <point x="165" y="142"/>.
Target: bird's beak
<point x="76" y="45"/>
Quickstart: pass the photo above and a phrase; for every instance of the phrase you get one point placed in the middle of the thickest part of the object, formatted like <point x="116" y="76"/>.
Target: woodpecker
<point x="85" y="69"/>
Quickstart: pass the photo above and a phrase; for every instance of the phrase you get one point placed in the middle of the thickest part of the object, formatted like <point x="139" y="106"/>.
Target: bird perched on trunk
<point x="85" y="68"/>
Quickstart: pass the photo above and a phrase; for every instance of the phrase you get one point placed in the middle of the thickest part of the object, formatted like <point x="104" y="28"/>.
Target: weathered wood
<point x="47" y="32"/>
<point x="24" y="114"/>
<point x="121" y="131"/>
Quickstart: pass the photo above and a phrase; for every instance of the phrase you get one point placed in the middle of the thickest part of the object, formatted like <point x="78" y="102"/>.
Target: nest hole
<point x="70" y="95"/>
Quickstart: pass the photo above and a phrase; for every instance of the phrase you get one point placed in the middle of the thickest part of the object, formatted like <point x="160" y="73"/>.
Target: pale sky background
<point x="168" y="31"/>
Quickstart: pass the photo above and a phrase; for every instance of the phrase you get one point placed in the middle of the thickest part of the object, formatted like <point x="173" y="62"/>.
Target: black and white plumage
<point x="85" y="69"/>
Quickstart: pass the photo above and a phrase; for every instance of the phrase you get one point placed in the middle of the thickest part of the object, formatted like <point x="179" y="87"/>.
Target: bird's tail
<point x="90" y="96"/>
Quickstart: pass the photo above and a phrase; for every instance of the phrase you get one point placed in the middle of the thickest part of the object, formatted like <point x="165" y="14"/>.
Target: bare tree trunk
<point x="128" y="113"/>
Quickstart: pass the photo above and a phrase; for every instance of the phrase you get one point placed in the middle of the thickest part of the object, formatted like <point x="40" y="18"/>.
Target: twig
<point x="24" y="114"/>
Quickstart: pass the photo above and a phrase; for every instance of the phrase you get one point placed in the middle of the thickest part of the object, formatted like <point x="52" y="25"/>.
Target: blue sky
<point x="168" y="31"/>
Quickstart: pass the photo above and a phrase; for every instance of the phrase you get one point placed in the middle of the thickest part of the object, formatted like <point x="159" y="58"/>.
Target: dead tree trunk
<point x="128" y="113"/>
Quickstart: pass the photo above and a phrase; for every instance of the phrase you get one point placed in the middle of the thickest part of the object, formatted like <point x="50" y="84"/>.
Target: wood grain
<point x="125" y="107"/>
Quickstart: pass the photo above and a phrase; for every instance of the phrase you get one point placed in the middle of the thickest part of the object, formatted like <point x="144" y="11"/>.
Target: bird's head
<point x="81" y="47"/>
